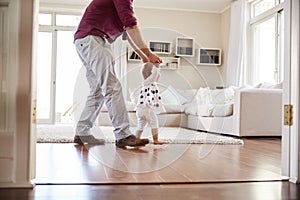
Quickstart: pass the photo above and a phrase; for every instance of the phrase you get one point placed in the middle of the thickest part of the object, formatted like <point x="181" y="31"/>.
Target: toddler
<point x="149" y="102"/>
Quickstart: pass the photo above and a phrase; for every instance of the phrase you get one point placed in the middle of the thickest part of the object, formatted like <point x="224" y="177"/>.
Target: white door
<point x="293" y="89"/>
<point x="290" y="137"/>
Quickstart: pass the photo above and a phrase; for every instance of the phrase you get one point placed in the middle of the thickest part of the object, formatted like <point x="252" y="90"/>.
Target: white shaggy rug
<point x="65" y="134"/>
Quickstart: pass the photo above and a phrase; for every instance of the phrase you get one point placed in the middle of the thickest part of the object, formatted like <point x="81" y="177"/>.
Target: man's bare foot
<point x="159" y="142"/>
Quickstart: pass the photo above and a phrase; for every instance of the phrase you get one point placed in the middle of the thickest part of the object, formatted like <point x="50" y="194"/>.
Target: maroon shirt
<point x="106" y="18"/>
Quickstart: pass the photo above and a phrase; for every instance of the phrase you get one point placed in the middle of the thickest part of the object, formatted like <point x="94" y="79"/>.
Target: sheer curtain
<point x="236" y="43"/>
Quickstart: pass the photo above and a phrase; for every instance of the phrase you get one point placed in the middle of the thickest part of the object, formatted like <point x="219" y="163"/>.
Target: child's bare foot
<point x="158" y="142"/>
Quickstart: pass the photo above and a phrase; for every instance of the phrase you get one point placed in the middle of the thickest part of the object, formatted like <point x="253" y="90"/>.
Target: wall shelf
<point x="132" y="56"/>
<point x="185" y="46"/>
<point x="170" y="63"/>
<point x="209" y="56"/>
<point x="160" y="47"/>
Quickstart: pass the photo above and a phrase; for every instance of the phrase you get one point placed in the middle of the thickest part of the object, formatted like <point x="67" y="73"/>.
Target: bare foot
<point x="159" y="142"/>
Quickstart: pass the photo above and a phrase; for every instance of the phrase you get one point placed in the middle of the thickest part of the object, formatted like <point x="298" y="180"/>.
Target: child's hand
<point x="157" y="64"/>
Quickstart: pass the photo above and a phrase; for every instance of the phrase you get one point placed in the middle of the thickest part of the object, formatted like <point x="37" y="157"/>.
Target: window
<point x="266" y="42"/>
<point x="67" y="20"/>
<point x="264" y="35"/>
<point x="44" y="76"/>
<point x="67" y="69"/>
<point x="58" y="66"/>
<point x="45" y="19"/>
<point x="260" y="7"/>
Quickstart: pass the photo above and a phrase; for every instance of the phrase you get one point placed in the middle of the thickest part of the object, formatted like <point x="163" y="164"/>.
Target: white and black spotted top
<point x="149" y="94"/>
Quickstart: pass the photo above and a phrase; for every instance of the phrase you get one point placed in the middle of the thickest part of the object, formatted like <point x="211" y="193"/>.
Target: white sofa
<point x="248" y="112"/>
<point x="256" y="112"/>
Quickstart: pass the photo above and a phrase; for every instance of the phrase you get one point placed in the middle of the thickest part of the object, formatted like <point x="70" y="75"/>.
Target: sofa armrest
<point x="258" y="112"/>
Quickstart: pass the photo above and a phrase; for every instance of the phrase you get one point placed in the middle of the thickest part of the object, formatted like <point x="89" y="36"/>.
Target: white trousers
<point x="146" y="116"/>
<point x="97" y="57"/>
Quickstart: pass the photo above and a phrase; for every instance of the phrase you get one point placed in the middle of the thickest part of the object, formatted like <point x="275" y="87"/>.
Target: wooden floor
<point x="218" y="172"/>
<point x="211" y="191"/>
<point x="259" y="159"/>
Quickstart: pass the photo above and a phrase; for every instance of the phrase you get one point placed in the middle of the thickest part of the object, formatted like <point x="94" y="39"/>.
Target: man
<point x="102" y="22"/>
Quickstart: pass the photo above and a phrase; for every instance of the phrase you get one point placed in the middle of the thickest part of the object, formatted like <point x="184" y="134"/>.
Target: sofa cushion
<point x="188" y="94"/>
<point x="222" y="110"/>
<point x="170" y="108"/>
<point x="172" y="97"/>
<point x="199" y="110"/>
<point x="222" y="96"/>
<point x="130" y="106"/>
<point x="214" y="96"/>
<point x="134" y="94"/>
<point x="202" y="97"/>
<point x="269" y="85"/>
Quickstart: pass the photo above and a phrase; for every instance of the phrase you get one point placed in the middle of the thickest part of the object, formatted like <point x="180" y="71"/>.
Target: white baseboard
<point x="17" y="185"/>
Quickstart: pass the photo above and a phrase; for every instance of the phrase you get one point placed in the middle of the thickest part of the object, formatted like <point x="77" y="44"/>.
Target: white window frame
<point x="249" y="72"/>
<point x="53" y="29"/>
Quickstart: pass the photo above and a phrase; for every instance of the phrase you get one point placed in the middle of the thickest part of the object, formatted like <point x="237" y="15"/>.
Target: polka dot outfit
<point x="149" y="102"/>
<point x="149" y="96"/>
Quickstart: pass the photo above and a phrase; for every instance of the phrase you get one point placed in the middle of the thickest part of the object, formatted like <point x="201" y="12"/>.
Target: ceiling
<point x="217" y="6"/>
<point x="194" y="5"/>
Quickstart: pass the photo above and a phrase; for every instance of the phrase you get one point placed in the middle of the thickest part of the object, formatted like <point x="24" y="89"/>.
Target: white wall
<point x="210" y="30"/>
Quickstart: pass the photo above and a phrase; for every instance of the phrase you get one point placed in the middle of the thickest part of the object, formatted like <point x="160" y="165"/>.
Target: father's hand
<point x="153" y="58"/>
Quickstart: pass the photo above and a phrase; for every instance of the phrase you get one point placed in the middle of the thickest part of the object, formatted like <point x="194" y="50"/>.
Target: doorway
<point x="58" y="108"/>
